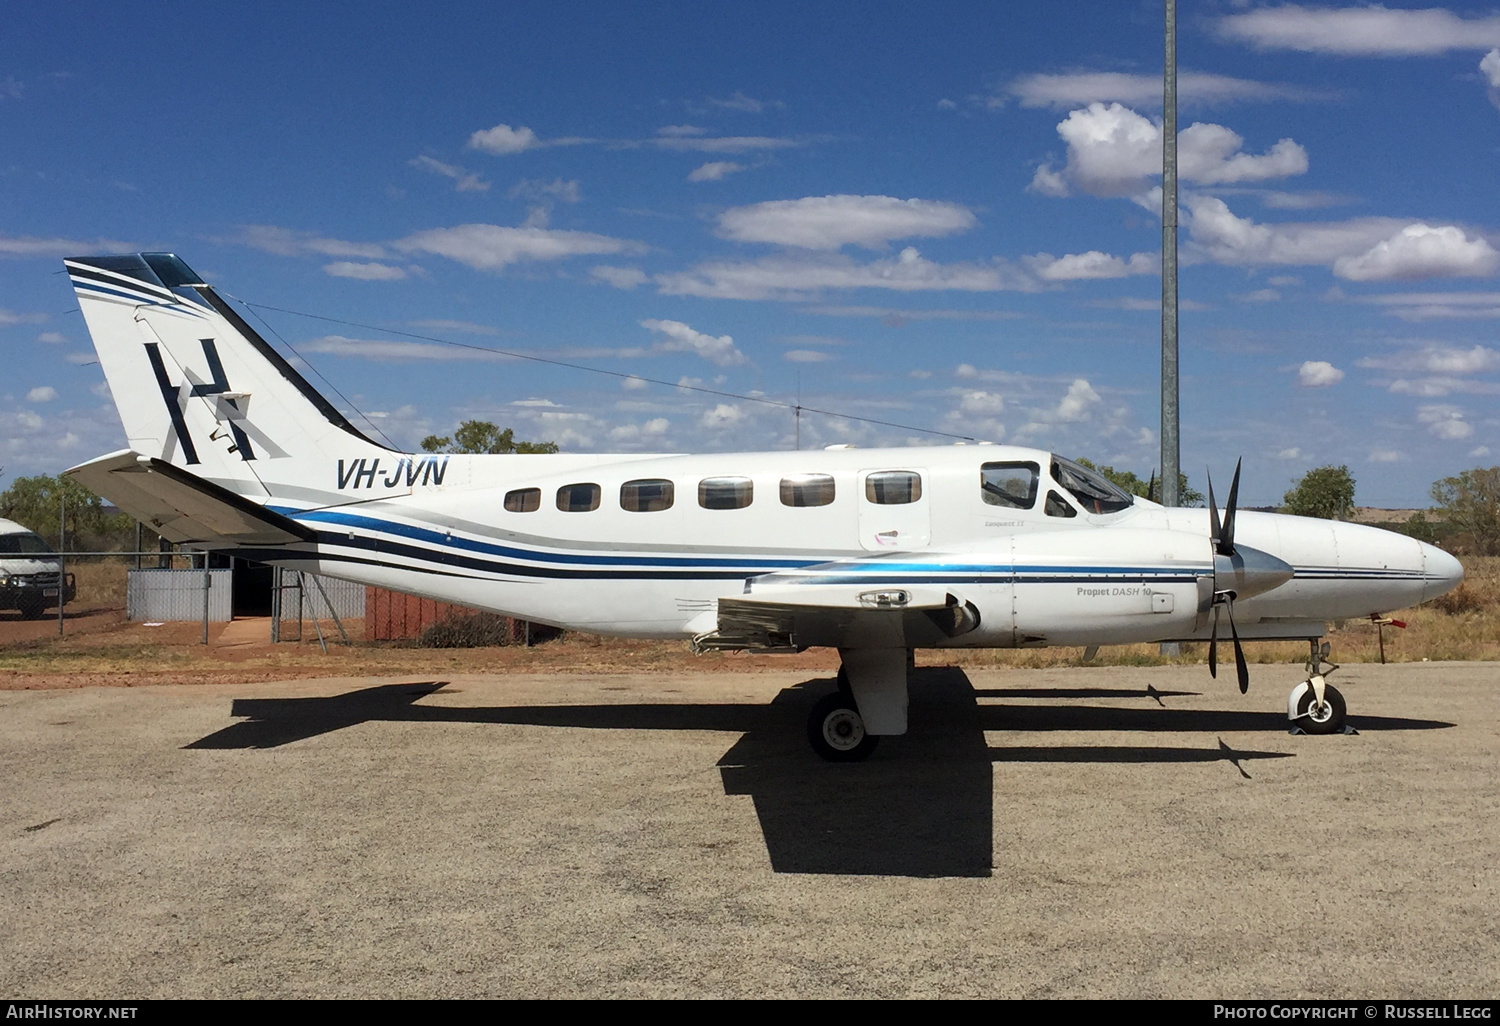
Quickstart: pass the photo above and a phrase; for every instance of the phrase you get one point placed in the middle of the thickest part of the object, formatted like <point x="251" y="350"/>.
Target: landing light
<point x="884" y="599"/>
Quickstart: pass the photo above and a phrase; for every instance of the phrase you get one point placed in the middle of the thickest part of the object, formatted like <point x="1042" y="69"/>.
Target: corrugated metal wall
<point x="160" y="595"/>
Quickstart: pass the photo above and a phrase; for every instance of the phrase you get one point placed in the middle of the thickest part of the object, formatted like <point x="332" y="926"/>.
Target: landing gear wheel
<point x="31" y="609"/>
<point x="1327" y="719"/>
<point x="837" y="732"/>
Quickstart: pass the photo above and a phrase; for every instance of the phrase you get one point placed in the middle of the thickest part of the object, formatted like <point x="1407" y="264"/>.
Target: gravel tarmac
<point x="1084" y="832"/>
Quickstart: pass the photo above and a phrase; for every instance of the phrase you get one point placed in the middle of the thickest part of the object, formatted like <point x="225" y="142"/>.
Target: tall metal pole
<point x="1171" y="449"/>
<point x="62" y="558"/>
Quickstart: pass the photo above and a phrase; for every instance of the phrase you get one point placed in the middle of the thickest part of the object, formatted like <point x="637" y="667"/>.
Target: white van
<point x="29" y="572"/>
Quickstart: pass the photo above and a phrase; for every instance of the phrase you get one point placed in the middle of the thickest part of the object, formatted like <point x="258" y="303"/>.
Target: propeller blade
<point x="1226" y="543"/>
<point x="1213" y="647"/>
<point x="1241" y="670"/>
<point x="1213" y="513"/>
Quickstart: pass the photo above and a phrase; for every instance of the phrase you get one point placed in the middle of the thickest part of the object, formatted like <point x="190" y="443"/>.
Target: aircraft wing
<point x="838" y="617"/>
<point x="183" y="507"/>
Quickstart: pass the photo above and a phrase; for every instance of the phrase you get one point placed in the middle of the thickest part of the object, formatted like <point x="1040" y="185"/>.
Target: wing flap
<point x="786" y="625"/>
<point x="183" y="507"/>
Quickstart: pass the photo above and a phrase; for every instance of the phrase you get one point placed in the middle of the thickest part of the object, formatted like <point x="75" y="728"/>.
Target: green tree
<point x="1324" y="492"/>
<point x="35" y="503"/>
<point x="1128" y="481"/>
<point x="1419" y="527"/>
<point x="480" y="436"/>
<point x="1470" y="503"/>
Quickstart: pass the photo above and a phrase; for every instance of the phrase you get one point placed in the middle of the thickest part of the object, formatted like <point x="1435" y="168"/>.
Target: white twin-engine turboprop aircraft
<point x="876" y="552"/>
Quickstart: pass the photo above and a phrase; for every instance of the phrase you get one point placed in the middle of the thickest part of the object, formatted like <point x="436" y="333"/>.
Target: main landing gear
<point x="1316" y="706"/>
<point x="870" y="703"/>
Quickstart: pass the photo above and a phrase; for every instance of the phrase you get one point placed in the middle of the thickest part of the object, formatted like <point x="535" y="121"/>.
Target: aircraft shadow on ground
<point x="921" y="806"/>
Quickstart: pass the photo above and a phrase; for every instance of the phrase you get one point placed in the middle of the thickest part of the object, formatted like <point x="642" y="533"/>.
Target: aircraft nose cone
<point x="1250" y="572"/>
<point x="1441" y="571"/>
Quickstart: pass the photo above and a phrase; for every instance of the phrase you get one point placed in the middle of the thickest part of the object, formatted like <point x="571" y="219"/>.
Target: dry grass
<point x="101" y="585"/>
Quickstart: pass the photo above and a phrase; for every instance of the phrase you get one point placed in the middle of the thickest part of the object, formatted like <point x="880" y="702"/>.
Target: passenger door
<point x="894" y="514"/>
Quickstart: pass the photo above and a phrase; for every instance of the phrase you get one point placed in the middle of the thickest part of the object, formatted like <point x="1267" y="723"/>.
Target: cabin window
<point x="1009" y="484"/>
<point x="578" y="498"/>
<point x="649" y="495"/>
<point x="725" y="492"/>
<point x="893" y="487"/>
<point x="1057" y="506"/>
<point x="524" y="500"/>
<point x="1094" y="492"/>
<point x="807" y="490"/>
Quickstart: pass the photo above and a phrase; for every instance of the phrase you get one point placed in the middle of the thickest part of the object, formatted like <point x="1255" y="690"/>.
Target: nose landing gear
<point x="1315" y="706"/>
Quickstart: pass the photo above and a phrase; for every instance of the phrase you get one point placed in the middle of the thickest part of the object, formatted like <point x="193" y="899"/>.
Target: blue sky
<point x="940" y="215"/>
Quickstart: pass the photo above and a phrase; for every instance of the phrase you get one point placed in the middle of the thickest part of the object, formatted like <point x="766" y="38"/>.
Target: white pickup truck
<point x="30" y="572"/>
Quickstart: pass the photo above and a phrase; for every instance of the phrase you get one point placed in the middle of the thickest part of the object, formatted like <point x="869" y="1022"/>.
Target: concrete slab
<point x="1099" y="832"/>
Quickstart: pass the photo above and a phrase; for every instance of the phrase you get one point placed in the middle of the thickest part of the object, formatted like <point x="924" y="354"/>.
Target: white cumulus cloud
<point x="393" y="350"/>
<point x="804" y="277"/>
<point x="1084" y="87"/>
<point x="1446" y="422"/>
<point x="724" y="415"/>
<point x="1421" y="251"/>
<point x="1079" y="401"/>
<point x="714" y="170"/>
<point x="464" y="180"/>
<point x="620" y="277"/>
<point x="41" y="394"/>
<point x="364" y="271"/>
<point x="1219" y="234"/>
<point x="828" y="222"/>
<point x="680" y="338"/>
<point x="502" y="140"/>
<point x="1093" y="264"/>
<point x="1114" y="151"/>
<point x="1438" y="359"/>
<point x="1318" y="374"/>
<point x="1490" y="68"/>
<point x="287" y="242"/>
<point x="491" y="247"/>
<point x="981" y="403"/>
<point x="1370" y="31"/>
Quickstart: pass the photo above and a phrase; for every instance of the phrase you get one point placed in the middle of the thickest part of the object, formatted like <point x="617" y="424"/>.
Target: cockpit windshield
<point x="1094" y="492"/>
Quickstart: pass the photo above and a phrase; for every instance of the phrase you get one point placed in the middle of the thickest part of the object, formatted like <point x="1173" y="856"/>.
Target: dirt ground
<point x="1057" y="832"/>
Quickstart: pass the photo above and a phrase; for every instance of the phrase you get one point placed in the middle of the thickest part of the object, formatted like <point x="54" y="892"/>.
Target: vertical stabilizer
<point x="196" y="387"/>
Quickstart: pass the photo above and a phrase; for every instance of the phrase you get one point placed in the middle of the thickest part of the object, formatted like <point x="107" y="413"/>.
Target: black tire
<point x="836" y="731"/>
<point x="1330" y="721"/>
<point x="32" y="609"/>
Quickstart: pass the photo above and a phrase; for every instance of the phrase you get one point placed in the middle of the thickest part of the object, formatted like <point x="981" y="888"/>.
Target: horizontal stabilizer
<point x="182" y="507"/>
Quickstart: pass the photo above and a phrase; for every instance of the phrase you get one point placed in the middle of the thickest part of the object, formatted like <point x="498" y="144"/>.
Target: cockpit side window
<point x="1057" y="506"/>
<point x="1009" y="484"/>
<point x="1094" y="492"/>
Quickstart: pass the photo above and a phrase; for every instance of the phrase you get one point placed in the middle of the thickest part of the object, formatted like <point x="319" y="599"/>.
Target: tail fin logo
<point x="217" y="385"/>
